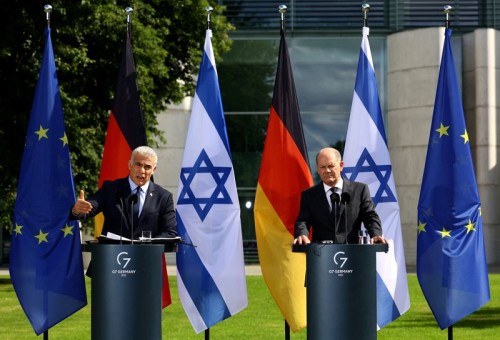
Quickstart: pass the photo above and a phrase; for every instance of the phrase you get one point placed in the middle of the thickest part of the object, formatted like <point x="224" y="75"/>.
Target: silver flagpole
<point x="282" y="10"/>
<point x="209" y="11"/>
<point x="47" y="9"/>
<point x="447" y="11"/>
<point x="365" y="8"/>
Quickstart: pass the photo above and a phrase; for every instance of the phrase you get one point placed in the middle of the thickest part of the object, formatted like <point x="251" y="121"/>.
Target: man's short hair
<point x="144" y="151"/>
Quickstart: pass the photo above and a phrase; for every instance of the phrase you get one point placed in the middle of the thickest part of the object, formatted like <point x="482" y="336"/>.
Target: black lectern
<point x="126" y="291"/>
<point x="341" y="290"/>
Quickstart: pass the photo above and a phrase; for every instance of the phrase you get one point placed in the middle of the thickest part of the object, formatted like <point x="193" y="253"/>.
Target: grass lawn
<point x="260" y="320"/>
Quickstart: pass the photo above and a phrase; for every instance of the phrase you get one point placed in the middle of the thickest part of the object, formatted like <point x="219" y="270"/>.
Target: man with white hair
<point x="133" y="199"/>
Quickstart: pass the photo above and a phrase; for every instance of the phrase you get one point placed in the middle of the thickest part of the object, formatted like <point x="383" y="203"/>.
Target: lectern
<point x="126" y="291"/>
<point x="341" y="290"/>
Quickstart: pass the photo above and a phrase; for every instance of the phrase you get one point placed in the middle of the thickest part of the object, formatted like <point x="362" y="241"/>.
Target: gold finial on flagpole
<point x="447" y="10"/>
<point x="282" y="9"/>
<point x="47" y="9"/>
<point x="209" y="11"/>
<point x="365" y="8"/>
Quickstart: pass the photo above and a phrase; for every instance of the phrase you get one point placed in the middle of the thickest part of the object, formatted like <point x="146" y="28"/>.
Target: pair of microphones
<point x="337" y="199"/>
<point x="132" y="201"/>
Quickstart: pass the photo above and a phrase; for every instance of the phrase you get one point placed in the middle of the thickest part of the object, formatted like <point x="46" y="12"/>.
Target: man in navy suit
<point x="353" y="206"/>
<point x="155" y="204"/>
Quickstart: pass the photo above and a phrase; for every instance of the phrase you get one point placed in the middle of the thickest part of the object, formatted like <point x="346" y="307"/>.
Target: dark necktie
<point x="137" y="205"/>
<point x="335" y="199"/>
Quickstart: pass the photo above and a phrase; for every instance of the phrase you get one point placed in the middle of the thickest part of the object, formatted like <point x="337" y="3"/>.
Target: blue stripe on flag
<point x="198" y="282"/>
<point x="386" y="307"/>
<point x="208" y="91"/>
<point x="367" y="90"/>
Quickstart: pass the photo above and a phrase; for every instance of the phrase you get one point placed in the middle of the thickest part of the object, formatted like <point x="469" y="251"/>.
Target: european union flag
<point x="46" y="264"/>
<point x="451" y="261"/>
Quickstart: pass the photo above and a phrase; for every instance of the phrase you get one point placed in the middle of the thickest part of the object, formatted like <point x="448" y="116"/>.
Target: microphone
<point x="119" y="198"/>
<point x="132" y="201"/>
<point x="345" y="198"/>
<point x="335" y="198"/>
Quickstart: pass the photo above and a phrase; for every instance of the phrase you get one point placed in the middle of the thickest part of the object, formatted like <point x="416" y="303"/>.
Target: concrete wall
<point x="480" y="95"/>
<point x="174" y="123"/>
<point x="413" y="59"/>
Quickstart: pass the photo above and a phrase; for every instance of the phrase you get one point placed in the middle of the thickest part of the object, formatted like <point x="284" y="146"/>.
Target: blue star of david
<point x="366" y="163"/>
<point x="203" y="165"/>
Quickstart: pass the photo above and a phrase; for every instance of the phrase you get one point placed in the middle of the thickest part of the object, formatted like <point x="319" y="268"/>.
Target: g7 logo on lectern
<point x="120" y="257"/>
<point x="338" y="260"/>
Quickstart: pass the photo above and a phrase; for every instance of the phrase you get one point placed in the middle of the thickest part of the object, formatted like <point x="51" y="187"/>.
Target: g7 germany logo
<point x="338" y="260"/>
<point x="120" y="257"/>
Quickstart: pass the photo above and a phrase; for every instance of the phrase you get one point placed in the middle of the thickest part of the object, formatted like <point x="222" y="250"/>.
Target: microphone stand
<point x="345" y="198"/>
<point x="335" y="198"/>
<point x="121" y="219"/>
<point x="133" y="201"/>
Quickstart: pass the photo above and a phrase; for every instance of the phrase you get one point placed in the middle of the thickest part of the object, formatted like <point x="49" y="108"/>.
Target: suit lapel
<point x="347" y="188"/>
<point x="147" y="199"/>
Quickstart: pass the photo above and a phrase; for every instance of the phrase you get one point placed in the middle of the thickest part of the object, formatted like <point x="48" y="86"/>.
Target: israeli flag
<point x="211" y="273"/>
<point x="366" y="159"/>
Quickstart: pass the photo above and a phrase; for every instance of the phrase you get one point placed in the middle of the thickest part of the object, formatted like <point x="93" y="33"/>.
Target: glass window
<point x="324" y="70"/>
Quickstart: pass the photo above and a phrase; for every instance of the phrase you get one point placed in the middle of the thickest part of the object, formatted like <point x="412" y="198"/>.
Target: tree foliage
<point x="88" y="40"/>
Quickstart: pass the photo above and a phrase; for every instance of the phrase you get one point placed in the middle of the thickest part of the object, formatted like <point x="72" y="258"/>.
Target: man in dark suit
<point x="352" y="206"/>
<point x="155" y="205"/>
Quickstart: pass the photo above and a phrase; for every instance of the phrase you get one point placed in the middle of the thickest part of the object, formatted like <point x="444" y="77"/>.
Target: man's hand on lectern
<point x="302" y="239"/>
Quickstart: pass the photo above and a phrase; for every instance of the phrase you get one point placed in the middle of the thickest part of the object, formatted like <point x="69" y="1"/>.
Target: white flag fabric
<point x="366" y="159"/>
<point x="211" y="274"/>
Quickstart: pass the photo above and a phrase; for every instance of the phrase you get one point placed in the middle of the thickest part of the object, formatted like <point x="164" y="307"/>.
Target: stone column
<point x="413" y="59"/>
<point x="480" y="93"/>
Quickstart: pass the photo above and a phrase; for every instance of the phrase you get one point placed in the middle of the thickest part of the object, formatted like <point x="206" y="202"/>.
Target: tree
<point x="88" y="39"/>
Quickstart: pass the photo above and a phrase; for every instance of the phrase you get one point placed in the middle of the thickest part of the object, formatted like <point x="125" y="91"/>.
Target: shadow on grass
<point x="6" y="285"/>
<point x="5" y="281"/>
<point x="423" y="321"/>
<point x="480" y="319"/>
<point x="483" y="318"/>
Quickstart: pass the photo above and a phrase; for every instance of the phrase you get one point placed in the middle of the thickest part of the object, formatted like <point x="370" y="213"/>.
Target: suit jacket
<point x="157" y="215"/>
<point x="315" y="212"/>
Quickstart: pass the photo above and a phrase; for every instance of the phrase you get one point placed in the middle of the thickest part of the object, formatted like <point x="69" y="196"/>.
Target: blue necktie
<point x="137" y="205"/>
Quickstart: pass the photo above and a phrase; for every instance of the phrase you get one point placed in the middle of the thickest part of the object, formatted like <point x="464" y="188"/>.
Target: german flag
<point x="284" y="174"/>
<point x="126" y="131"/>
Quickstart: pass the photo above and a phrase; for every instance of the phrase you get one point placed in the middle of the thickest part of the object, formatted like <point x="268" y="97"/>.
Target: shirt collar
<point x="133" y="186"/>
<point x="339" y="184"/>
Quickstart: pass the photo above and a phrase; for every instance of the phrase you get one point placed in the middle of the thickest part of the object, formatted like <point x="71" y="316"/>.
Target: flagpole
<point x="47" y="9"/>
<point x="365" y="8"/>
<point x="209" y="11"/>
<point x="447" y="11"/>
<point x="129" y="11"/>
<point x="282" y="10"/>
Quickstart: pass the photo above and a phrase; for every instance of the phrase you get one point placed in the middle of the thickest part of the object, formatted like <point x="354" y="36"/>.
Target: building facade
<point x="406" y="39"/>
